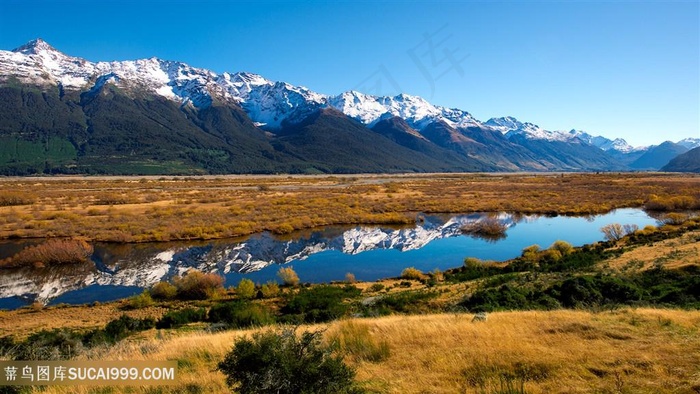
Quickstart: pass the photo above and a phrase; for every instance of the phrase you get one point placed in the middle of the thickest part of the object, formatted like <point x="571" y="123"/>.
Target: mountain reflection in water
<point x="371" y="252"/>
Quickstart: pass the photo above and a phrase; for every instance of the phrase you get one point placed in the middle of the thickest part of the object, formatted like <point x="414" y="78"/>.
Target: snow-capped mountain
<point x="618" y="144"/>
<point x="268" y="103"/>
<point x="511" y="126"/>
<point x="689" y="143"/>
<point x="416" y="111"/>
<point x="242" y="122"/>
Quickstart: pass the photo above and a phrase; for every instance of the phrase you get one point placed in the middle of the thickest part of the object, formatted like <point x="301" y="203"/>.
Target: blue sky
<point x="618" y="69"/>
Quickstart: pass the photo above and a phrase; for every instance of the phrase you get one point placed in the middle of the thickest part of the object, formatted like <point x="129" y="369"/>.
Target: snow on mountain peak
<point x="35" y="47"/>
<point x="268" y="103"/>
<point x="511" y="126"/>
<point x="416" y="111"/>
<point x="690" y="143"/>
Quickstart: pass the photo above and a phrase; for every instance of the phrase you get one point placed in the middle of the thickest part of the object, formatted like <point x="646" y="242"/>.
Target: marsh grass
<point x="124" y="209"/>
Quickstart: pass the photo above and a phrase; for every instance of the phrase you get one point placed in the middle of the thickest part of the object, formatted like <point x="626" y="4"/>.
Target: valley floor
<point x="143" y="209"/>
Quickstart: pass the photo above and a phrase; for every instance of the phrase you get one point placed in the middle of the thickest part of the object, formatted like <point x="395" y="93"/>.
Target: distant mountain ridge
<point x="65" y="114"/>
<point x="685" y="162"/>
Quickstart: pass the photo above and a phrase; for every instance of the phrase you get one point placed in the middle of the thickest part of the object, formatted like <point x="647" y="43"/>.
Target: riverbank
<point x="144" y="209"/>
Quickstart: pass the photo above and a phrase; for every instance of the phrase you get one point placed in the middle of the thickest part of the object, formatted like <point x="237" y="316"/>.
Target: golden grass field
<point x="623" y="351"/>
<point x="128" y="209"/>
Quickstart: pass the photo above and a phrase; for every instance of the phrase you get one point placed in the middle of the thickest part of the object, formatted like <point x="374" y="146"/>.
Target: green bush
<point x="181" y="317"/>
<point x="245" y="289"/>
<point x="56" y="344"/>
<point x="473" y="268"/>
<point x="140" y="301"/>
<point x="163" y="291"/>
<point x="319" y="303"/>
<point x="282" y="362"/>
<point x="240" y="314"/>
<point x="562" y="247"/>
<point x="61" y="344"/>
<point x="270" y="290"/>
<point x="402" y="302"/>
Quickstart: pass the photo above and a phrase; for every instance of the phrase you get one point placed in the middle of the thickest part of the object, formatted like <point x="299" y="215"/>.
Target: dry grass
<point x="128" y="209"/>
<point x="634" y="351"/>
<point x="670" y="253"/>
<point x="22" y="322"/>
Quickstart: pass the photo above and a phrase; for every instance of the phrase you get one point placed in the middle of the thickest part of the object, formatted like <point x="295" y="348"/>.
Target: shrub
<point x="245" y="289"/>
<point x="117" y="330"/>
<point x="319" y="303"/>
<point x="270" y="290"/>
<point x="350" y="278"/>
<point x="140" y="301"/>
<point x="163" y="291"/>
<point x="562" y="247"/>
<point x="613" y="231"/>
<point x="196" y="285"/>
<point x="376" y="287"/>
<point x="437" y="275"/>
<point x="490" y="229"/>
<point x="57" y="344"/>
<point x="355" y="339"/>
<point x="531" y="253"/>
<point x="8" y="199"/>
<point x="53" y="251"/>
<point x="282" y="362"/>
<point x="181" y="317"/>
<point x="473" y="269"/>
<point x="240" y="314"/>
<point x="402" y="302"/>
<point x="411" y="273"/>
<point x="288" y="276"/>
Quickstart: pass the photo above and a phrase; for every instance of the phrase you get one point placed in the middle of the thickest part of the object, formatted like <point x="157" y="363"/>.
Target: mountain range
<point x="63" y="114"/>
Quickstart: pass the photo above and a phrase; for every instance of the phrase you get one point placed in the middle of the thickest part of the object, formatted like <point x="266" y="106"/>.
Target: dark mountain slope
<point x="686" y="162"/>
<point x="658" y="156"/>
<point x="569" y="156"/>
<point x="329" y="141"/>
<point x="398" y="130"/>
<point x="107" y="131"/>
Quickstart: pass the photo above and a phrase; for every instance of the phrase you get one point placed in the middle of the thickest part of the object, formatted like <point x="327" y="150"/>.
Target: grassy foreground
<point x="623" y="351"/>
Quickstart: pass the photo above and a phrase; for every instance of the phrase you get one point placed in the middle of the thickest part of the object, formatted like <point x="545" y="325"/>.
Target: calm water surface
<point x="323" y="255"/>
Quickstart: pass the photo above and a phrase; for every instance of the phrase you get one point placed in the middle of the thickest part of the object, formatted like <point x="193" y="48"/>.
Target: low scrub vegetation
<point x="181" y="208"/>
<point x="52" y="251"/>
<point x="284" y="362"/>
<point x="197" y="285"/>
<point x="174" y="319"/>
<point x="239" y="314"/>
<point x="62" y="343"/>
<point x="318" y="304"/>
<point x="288" y="276"/>
<point x="489" y="228"/>
<point x="412" y="273"/>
